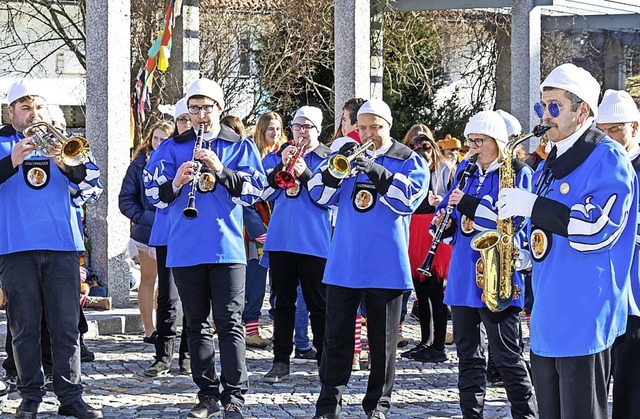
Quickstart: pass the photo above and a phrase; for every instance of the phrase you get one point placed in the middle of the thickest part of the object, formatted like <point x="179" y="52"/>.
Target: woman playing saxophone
<point x="475" y="211"/>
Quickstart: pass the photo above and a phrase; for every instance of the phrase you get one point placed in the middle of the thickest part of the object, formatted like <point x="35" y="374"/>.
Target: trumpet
<point x="285" y="178"/>
<point x="73" y="152"/>
<point x="340" y="165"/>
<point x="202" y="180"/>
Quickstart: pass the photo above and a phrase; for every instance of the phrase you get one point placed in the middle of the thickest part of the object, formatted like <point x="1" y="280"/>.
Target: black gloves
<point x="347" y="148"/>
<point x="378" y="175"/>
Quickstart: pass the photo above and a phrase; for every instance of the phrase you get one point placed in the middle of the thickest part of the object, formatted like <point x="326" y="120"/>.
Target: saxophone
<point x="498" y="253"/>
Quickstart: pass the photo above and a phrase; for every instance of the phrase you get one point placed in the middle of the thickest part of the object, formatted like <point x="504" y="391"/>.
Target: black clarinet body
<point x="425" y="268"/>
<point x="190" y="210"/>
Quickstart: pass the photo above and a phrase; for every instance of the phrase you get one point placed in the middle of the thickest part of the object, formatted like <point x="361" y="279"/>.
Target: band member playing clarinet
<point x="297" y="241"/>
<point x="582" y="235"/>
<point x="206" y="251"/>
<point x="475" y="211"/>
<point x="368" y="256"/>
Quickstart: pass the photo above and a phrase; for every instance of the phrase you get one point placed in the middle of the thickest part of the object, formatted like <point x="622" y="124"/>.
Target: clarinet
<point x="191" y="211"/>
<point x="425" y="269"/>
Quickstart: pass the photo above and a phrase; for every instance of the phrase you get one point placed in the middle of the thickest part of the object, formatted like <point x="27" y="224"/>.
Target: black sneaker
<point x="303" y="357"/>
<point x="85" y="354"/>
<point x="207" y="408"/>
<point x="327" y="416"/>
<point x="151" y="339"/>
<point x="48" y="382"/>
<point x="279" y="371"/>
<point x="157" y="369"/>
<point x="11" y="381"/>
<point x="376" y="414"/>
<point x="233" y="411"/>
<point x="185" y="366"/>
<point x="79" y="409"/>
<point x="407" y="354"/>
<point x="429" y="354"/>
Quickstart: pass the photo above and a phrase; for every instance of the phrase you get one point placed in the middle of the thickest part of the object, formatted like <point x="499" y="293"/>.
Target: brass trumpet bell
<point x="73" y="152"/>
<point x="339" y="166"/>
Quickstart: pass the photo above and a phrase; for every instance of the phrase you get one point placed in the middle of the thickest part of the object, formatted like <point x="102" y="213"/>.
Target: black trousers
<point x="9" y="364"/>
<point x="383" y="318"/>
<point x="216" y="288"/>
<point x="167" y="310"/>
<point x="503" y="332"/>
<point x="36" y="283"/>
<point x="572" y="387"/>
<point x="430" y="294"/>
<point x="625" y="360"/>
<point x="287" y="271"/>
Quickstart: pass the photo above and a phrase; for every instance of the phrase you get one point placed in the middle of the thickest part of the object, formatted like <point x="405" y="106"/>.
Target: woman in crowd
<point x="135" y="206"/>
<point x="429" y="289"/>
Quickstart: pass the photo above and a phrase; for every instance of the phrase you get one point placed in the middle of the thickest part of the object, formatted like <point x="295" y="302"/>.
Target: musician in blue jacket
<point x="581" y="236"/>
<point x="297" y="241"/>
<point x="39" y="262"/>
<point x="368" y="257"/>
<point x="619" y="118"/>
<point x="476" y="212"/>
<point x="206" y="252"/>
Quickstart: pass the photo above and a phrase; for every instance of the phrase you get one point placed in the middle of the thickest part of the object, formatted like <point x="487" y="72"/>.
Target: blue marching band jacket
<point x="582" y="231"/>
<point x="369" y="248"/>
<point x="216" y="234"/>
<point x="298" y="224"/>
<point x="45" y="219"/>
<point x="477" y="212"/>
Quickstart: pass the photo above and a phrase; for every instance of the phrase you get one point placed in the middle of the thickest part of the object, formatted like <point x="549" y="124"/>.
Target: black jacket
<point x="134" y="204"/>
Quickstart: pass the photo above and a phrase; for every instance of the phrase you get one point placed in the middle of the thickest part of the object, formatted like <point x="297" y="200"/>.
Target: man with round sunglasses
<point x="581" y="238"/>
<point x="618" y="117"/>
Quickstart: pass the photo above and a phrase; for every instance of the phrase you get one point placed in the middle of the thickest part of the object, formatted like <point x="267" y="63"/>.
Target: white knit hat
<point x="617" y="106"/>
<point x="512" y="123"/>
<point x="576" y="80"/>
<point x="22" y="88"/>
<point x="489" y="123"/>
<point x="208" y="88"/>
<point x="56" y="114"/>
<point x="180" y="108"/>
<point x="377" y="107"/>
<point x="312" y="114"/>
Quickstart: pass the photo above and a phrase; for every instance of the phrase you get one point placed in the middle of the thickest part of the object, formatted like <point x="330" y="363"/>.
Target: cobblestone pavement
<point x="114" y="381"/>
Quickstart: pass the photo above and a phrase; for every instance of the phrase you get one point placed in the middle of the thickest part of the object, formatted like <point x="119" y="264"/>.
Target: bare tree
<point x="31" y="32"/>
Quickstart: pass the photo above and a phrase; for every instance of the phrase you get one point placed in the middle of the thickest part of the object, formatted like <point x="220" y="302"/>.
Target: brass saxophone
<point x="498" y="253"/>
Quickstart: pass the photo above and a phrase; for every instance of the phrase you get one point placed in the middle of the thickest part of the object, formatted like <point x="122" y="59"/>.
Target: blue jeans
<point x="254" y="290"/>
<point x="301" y="330"/>
<point x="44" y="281"/>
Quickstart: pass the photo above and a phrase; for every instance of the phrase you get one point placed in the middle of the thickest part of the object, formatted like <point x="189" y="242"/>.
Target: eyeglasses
<point x="613" y="130"/>
<point x="478" y="142"/>
<point x="298" y="127"/>
<point x="195" y="110"/>
<point x="183" y="120"/>
<point x="552" y="107"/>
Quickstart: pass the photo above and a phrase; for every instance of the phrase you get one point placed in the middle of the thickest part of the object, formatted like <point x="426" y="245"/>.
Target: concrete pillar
<point x="108" y="83"/>
<point x="525" y="61"/>
<point x="377" y="46"/>
<point x="184" y="65"/>
<point x="351" y="52"/>
<point x="615" y="68"/>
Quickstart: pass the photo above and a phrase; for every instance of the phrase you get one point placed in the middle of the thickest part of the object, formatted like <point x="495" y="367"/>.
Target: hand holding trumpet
<point x="21" y="150"/>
